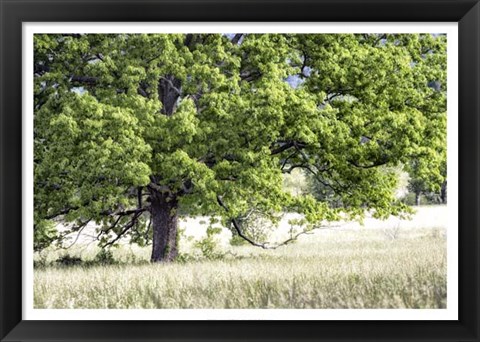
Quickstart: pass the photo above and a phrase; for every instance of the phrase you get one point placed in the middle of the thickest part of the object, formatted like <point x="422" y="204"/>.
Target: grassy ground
<point x="331" y="269"/>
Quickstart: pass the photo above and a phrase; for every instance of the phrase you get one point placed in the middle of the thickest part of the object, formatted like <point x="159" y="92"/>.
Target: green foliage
<point x="208" y="246"/>
<point x="257" y="225"/>
<point x="427" y="187"/>
<point x="104" y="257"/>
<point x="69" y="260"/>
<point x="296" y="182"/>
<point x="424" y="199"/>
<point x="44" y="233"/>
<point x="236" y="240"/>
<point x="117" y="115"/>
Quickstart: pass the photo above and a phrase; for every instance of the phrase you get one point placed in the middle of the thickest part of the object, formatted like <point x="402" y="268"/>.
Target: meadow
<point x="344" y="267"/>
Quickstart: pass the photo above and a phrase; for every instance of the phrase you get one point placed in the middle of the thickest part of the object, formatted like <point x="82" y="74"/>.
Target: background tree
<point x="433" y="185"/>
<point x="428" y="175"/>
<point x="132" y="130"/>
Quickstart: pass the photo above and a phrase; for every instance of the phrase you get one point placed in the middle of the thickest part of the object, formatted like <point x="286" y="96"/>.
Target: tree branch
<point x="263" y="245"/>
<point x="304" y="65"/>
<point x="130" y="212"/>
<point x="139" y="197"/>
<point x="62" y="212"/>
<point x="142" y="92"/>
<point x="378" y="163"/>
<point x="236" y="38"/>
<point x="159" y="188"/>
<point x="238" y="229"/>
<point x="109" y="228"/>
<point x="293" y="167"/>
<point x="250" y="75"/>
<point x="170" y="83"/>
<point x="286" y="161"/>
<point x="188" y="40"/>
<point x="79" y="230"/>
<point x="285" y="145"/>
<point x="187" y="188"/>
<point x="84" y="80"/>
<point x="129" y="225"/>
<point x="92" y="81"/>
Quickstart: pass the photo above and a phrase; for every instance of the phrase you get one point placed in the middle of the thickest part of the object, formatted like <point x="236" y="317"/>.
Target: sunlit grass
<point x="332" y="269"/>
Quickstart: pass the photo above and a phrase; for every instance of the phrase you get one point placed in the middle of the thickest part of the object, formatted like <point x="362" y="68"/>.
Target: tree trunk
<point x="169" y="89"/>
<point x="164" y="205"/>
<point x="165" y="226"/>
<point x="443" y="193"/>
<point x="417" y="198"/>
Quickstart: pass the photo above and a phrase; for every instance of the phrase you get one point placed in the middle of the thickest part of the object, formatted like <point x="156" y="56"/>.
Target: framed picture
<point x="351" y="93"/>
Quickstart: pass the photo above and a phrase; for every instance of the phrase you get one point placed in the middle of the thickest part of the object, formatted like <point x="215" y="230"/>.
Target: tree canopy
<point x="132" y="130"/>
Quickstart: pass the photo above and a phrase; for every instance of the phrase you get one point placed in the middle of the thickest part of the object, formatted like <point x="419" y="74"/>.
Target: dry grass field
<point x="397" y="266"/>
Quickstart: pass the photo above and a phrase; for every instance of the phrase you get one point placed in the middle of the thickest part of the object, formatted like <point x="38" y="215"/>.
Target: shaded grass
<point x="360" y="269"/>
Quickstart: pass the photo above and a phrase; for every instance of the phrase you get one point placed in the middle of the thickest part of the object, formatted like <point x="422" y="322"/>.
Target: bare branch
<point x="294" y="238"/>
<point x="286" y="161"/>
<point x="79" y="230"/>
<point x="238" y="229"/>
<point x="109" y="228"/>
<point x="127" y="227"/>
<point x="263" y="245"/>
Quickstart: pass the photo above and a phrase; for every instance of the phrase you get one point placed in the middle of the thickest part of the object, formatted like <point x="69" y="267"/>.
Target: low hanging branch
<point x="127" y="227"/>
<point x="136" y="214"/>
<point x="77" y="229"/>
<point x="239" y="230"/>
<point x="263" y="245"/>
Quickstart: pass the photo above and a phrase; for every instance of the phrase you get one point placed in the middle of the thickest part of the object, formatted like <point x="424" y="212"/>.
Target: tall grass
<point x="333" y="269"/>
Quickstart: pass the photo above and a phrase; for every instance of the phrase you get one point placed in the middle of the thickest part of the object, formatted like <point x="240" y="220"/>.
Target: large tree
<point x="133" y="130"/>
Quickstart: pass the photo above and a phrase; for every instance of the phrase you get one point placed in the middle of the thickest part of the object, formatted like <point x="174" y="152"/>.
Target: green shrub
<point x="104" y="257"/>
<point x="69" y="260"/>
<point x="208" y="246"/>
<point x="44" y="233"/>
<point x="236" y="240"/>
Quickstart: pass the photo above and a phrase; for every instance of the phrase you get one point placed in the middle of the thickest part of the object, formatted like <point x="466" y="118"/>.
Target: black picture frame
<point x="14" y="12"/>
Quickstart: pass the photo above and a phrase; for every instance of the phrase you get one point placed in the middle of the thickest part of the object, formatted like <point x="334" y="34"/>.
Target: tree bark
<point x="417" y="198"/>
<point x="165" y="226"/>
<point x="164" y="205"/>
<point x="443" y="192"/>
<point x="169" y="90"/>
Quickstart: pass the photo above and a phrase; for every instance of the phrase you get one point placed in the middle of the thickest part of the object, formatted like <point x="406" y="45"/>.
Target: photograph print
<point x="240" y="171"/>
